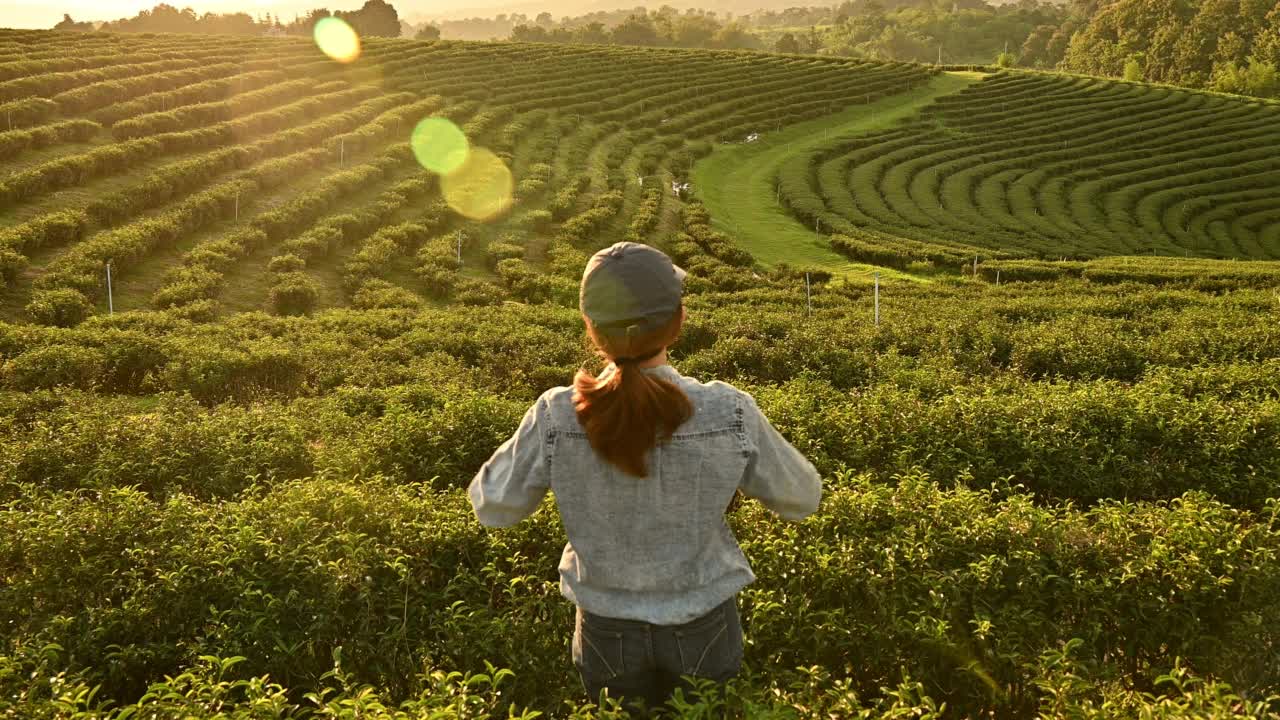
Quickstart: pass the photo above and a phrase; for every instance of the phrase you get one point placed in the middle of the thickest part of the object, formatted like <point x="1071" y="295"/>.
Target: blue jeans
<point x="638" y="661"/>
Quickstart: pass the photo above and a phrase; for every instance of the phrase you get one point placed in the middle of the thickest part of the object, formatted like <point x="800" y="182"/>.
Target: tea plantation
<point x="231" y="486"/>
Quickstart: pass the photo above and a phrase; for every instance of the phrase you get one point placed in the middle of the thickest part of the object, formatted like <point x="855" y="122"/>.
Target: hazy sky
<point x="45" y="13"/>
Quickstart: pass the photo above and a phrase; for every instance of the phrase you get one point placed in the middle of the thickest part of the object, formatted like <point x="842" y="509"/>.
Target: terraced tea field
<point x="231" y="485"/>
<point x="1049" y="166"/>
<point x="260" y="154"/>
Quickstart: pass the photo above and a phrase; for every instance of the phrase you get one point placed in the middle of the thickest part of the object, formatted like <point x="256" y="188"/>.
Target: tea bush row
<point x="1081" y="441"/>
<point x="972" y="591"/>
<point x="1050" y="166"/>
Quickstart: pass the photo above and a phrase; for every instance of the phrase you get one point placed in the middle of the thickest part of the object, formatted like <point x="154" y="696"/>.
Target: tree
<point x="1258" y="78"/>
<point x="1266" y="46"/>
<point x="734" y="36"/>
<point x="529" y="33"/>
<point x="427" y="32"/>
<point x="787" y="44"/>
<point x="1133" y="69"/>
<point x="813" y="41"/>
<point x="376" y="18"/>
<point x="694" y="31"/>
<point x="1006" y="60"/>
<point x="1056" y="49"/>
<point x="306" y="25"/>
<point x="637" y="29"/>
<point x="1262" y="79"/>
<point x="1035" y="49"/>
<point x="231" y="24"/>
<point x="593" y="33"/>
<point x="69" y="24"/>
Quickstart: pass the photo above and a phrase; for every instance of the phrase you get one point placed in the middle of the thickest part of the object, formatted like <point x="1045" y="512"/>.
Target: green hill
<point x="1047" y="166"/>
<point x="263" y="153"/>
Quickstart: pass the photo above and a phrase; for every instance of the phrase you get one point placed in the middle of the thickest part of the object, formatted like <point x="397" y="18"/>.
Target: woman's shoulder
<point x="717" y="389"/>
<point x="556" y="398"/>
<point x="716" y="402"/>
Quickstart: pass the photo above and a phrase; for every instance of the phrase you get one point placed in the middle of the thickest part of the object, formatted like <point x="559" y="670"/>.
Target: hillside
<point x="1046" y="166"/>
<point x="232" y="487"/>
<point x="195" y="166"/>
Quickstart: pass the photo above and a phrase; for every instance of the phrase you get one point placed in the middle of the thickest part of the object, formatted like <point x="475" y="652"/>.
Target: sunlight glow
<point x="439" y="145"/>
<point x="481" y="189"/>
<point x="337" y="39"/>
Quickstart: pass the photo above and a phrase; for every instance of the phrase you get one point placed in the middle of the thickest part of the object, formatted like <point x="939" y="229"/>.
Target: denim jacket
<point x="656" y="548"/>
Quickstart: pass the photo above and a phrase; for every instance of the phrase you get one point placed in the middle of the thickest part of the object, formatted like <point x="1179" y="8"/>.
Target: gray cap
<point x="629" y="285"/>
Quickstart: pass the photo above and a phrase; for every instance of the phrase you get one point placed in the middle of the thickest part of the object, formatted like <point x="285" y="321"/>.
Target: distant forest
<point x="1225" y="45"/>
<point x="375" y="18"/>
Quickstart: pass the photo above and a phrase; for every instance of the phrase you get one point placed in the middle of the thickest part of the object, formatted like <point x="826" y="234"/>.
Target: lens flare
<point x="481" y="188"/>
<point x="337" y="39"/>
<point x="439" y="145"/>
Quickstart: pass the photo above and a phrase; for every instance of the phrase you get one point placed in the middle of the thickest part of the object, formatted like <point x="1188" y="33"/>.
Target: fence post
<point x="237" y="206"/>
<point x="342" y="151"/>
<point x="110" y="302"/>
<point x="877" y="298"/>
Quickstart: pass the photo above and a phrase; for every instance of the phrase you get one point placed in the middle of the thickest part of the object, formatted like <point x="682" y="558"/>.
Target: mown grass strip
<point x="736" y="182"/>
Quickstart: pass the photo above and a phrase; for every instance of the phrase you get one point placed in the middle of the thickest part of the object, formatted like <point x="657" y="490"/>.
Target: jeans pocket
<point x="706" y="645"/>
<point x="598" y="652"/>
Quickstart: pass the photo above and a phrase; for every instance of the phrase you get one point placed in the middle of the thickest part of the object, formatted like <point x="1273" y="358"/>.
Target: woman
<point x="644" y="463"/>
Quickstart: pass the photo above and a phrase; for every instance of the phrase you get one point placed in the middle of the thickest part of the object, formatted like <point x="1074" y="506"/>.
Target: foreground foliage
<point x="989" y="598"/>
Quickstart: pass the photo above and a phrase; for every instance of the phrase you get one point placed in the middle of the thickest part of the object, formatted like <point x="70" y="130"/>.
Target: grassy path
<point x="736" y="181"/>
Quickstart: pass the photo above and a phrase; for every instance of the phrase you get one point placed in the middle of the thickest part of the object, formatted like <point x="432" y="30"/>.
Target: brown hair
<point x="626" y="411"/>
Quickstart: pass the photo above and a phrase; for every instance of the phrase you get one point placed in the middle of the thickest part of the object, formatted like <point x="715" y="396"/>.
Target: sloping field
<point x="739" y="183"/>
<point x="257" y="172"/>
<point x="1034" y="165"/>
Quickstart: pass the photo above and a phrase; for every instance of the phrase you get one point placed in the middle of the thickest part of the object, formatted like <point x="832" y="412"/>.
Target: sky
<point x="45" y="13"/>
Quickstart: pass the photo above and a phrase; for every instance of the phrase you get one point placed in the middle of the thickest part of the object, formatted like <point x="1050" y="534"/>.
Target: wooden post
<point x="110" y="302"/>
<point x="877" y="297"/>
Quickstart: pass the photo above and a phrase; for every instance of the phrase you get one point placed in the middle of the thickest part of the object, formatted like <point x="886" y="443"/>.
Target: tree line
<point x="374" y="18"/>
<point x="1225" y="45"/>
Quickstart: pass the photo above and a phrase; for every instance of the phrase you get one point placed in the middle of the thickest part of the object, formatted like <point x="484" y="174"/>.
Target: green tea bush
<point x="293" y="293"/>
<point x="965" y="588"/>
<point x="62" y="307"/>
<point x="55" y="366"/>
<point x="1083" y="442"/>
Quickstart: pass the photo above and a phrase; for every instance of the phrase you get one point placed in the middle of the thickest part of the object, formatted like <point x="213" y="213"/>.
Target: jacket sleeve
<point x="777" y="474"/>
<point x="512" y="482"/>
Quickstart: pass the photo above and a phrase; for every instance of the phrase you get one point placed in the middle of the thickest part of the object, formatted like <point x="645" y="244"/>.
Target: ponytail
<point x="626" y="411"/>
